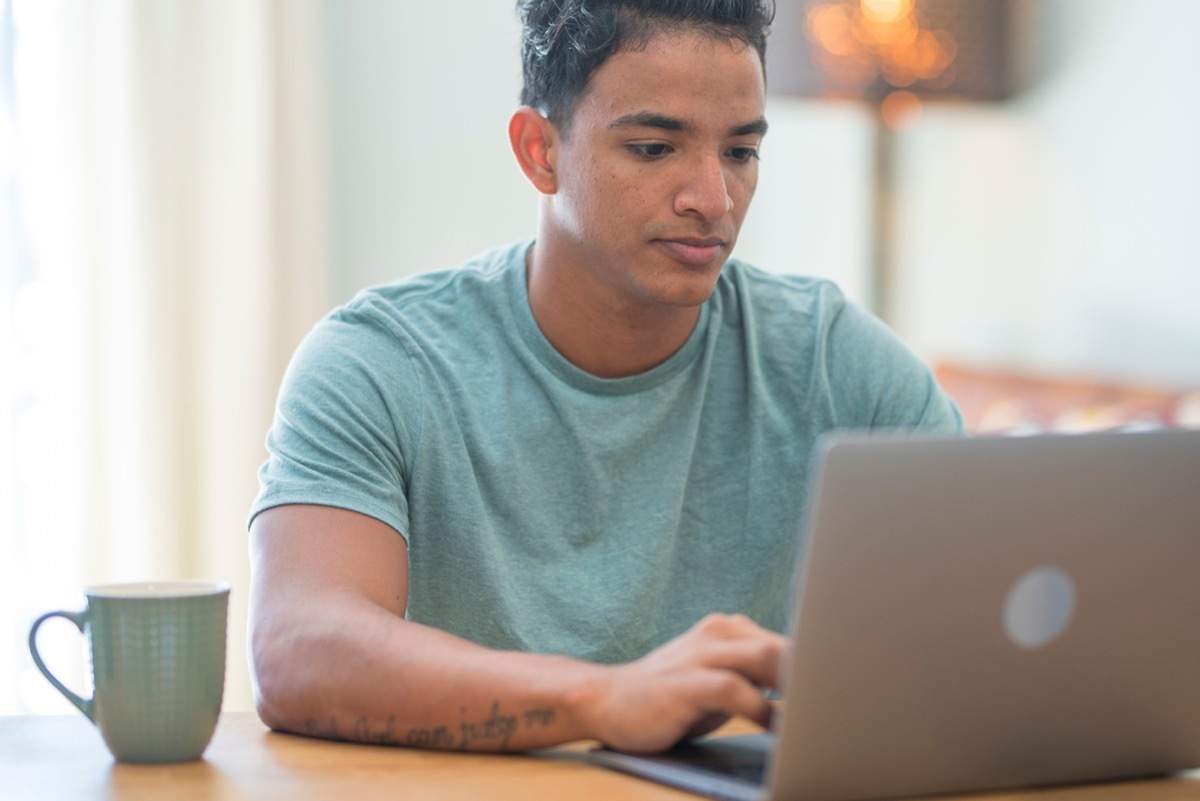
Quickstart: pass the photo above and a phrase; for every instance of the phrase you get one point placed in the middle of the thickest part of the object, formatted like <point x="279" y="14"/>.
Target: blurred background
<point x="185" y="188"/>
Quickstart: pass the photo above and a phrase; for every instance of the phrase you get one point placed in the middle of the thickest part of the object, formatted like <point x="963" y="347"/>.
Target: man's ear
<point x="534" y="141"/>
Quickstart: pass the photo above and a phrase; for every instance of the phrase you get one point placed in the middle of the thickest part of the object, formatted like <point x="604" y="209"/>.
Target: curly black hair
<point x="565" y="41"/>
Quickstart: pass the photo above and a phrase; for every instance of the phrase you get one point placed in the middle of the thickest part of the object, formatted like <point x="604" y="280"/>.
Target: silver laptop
<point x="978" y="614"/>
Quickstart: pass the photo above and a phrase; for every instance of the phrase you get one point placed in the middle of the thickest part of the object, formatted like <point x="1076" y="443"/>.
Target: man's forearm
<point x="386" y="680"/>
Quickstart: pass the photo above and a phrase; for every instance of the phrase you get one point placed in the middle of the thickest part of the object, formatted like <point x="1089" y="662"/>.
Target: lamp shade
<point x="966" y="49"/>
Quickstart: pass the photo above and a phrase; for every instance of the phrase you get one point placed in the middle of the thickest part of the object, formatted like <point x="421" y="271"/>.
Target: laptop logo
<point x="1039" y="607"/>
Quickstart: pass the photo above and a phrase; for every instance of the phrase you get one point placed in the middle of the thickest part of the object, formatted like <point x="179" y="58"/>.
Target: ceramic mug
<point x="158" y="666"/>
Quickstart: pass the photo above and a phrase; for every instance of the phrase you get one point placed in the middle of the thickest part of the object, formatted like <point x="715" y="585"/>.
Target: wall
<point x="1059" y="231"/>
<point x="1054" y="232"/>
<point x="420" y="101"/>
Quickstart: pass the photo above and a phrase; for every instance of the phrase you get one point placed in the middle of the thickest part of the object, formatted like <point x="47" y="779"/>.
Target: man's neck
<point x="597" y="331"/>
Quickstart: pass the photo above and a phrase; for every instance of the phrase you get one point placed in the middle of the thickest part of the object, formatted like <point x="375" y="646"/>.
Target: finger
<point x="759" y="660"/>
<point x="729" y="693"/>
<point x="734" y="628"/>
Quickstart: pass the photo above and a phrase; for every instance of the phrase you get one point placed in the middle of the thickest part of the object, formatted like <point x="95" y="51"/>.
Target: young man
<point x="556" y="493"/>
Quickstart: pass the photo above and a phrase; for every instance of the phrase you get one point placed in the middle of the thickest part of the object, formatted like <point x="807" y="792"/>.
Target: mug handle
<point x="85" y="705"/>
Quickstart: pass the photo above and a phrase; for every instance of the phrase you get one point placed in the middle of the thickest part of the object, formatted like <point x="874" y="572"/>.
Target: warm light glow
<point x="867" y="39"/>
<point x="885" y="11"/>
<point x="830" y="25"/>
<point x="900" y="109"/>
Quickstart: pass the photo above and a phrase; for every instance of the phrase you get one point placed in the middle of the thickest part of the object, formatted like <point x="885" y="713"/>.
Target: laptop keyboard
<point x="754" y="774"/>
<point x="725" y="759"/>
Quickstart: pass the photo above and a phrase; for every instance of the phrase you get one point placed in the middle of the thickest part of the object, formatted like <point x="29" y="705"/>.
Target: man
<point x="556" y="494"/>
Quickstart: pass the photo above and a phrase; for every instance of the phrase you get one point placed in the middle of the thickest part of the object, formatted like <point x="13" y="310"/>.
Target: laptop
<point x="979" y="614"/>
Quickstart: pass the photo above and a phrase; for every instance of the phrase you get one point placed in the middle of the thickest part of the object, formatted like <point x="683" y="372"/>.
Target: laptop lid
<point x="993" y="613"/>
<point x="977" y="614"/>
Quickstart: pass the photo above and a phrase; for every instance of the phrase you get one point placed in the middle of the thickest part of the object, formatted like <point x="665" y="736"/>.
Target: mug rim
<point x="169" y="588"/>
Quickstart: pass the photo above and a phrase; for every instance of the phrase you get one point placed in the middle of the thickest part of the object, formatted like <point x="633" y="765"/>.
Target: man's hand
<point x="335" y="657"/>
<point x="689" y="686"/>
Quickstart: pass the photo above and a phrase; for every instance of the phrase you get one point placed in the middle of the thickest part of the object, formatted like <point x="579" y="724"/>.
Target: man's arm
<point x="333" y="656"/>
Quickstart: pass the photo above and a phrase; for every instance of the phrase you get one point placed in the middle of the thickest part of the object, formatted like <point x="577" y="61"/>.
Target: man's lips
<point x="693" y="250"/>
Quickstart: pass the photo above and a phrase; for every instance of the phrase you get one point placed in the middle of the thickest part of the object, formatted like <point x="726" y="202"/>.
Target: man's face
<point x="658" y="168"/>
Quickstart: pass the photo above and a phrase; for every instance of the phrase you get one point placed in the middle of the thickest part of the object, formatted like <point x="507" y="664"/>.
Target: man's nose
<point x="705" y="192"/>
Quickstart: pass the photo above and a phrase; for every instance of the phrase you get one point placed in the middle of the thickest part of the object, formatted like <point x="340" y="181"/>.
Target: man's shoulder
<point x="447" y="310"/>
<point x="479" y="279"/>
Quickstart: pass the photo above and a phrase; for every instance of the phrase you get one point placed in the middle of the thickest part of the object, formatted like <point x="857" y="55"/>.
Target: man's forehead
<point x="689" y="43"/>
<point x="679" y="81"/>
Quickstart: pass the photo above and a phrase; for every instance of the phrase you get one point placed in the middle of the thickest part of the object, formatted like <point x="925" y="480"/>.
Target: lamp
<point x="894" y="54"/>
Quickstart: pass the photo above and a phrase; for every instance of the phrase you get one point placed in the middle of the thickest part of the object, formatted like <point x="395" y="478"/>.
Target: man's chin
<point x="688" y="291"/>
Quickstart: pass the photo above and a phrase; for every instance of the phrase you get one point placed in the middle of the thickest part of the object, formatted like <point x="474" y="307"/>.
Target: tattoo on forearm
<point x="439" y="737"/>
<point x="496" y="727"/>
<point x="385" y="736"/>
<point x="538" y="717"/>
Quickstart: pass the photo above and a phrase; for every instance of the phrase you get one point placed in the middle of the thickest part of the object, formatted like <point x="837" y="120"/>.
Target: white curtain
<point x="171" y="191"/>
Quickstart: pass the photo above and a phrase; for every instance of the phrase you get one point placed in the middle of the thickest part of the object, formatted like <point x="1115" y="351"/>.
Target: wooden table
<point x="52" y="758"/>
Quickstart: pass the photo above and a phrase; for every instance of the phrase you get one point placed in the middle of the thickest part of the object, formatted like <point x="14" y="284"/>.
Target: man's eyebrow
<point x="650" y="119"/>
<point x="759" y="127"/>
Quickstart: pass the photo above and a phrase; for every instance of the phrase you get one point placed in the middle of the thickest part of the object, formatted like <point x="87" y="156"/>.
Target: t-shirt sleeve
<point x="882" y="380"/>
<point x="347" y="422"/>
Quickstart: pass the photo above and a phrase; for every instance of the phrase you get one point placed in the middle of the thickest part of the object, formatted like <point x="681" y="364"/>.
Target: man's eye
<point x="744" y="154"/>
<point x="651" y="150"/>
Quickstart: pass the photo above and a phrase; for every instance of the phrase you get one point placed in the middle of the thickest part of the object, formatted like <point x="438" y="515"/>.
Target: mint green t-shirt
<point x="549" y="510"/>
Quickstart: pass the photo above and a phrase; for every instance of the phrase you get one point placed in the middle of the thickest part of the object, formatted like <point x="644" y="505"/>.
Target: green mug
<point x="158" y="666"/>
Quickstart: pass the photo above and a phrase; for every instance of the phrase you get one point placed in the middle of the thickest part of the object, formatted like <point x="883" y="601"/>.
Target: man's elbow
<point x="276" y="676"/>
